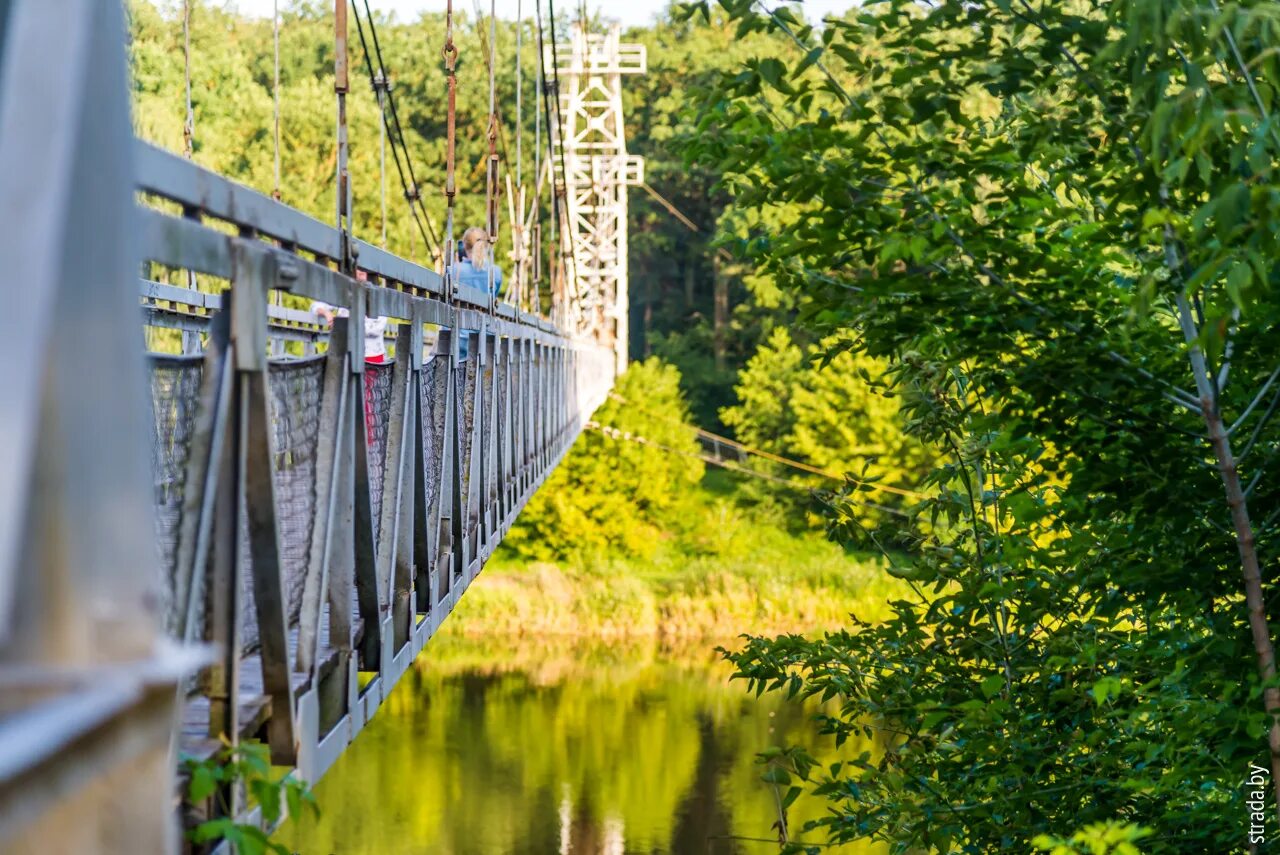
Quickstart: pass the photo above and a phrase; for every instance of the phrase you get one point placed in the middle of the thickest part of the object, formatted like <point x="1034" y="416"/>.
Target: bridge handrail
<point x="203" y="192"/>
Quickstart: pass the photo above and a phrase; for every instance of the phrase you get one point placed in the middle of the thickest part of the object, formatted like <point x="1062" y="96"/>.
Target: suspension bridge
<point x="254" y="536"/>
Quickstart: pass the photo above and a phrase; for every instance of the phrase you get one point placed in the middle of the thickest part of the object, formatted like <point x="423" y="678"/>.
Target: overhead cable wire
<point x="776" y="458"/>
<point x="391" y="123"/>
<point x="618" y="434"/>
<point x="679" y="215"/>
<point x="674" y="211"/>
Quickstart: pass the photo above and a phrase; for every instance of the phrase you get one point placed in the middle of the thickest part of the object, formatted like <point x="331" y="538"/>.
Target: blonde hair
<point x="475" y="243"/>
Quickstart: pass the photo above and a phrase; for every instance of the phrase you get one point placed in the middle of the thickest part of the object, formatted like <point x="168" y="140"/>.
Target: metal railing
<point x="401" y="481"/>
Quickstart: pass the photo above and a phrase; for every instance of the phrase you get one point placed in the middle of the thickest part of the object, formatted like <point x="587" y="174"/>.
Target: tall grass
<point x="733" y="567"/>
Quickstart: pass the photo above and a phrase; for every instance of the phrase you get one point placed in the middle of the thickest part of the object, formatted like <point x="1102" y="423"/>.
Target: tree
<point x="694" y="307"/>
<point x="612" y="493"/>
<point x="828" y="414"/>
<point x="1058" y="223"/>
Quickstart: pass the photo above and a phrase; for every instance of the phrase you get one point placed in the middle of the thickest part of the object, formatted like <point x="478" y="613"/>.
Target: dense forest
<point x="1015" y="258"/>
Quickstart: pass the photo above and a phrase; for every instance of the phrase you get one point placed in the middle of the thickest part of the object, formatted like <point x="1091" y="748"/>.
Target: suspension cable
<point x="450" y="55"/>
<point x="189" y="120"/>
<point x="556" y="200"/>
<point x="340" y="83"/>
<point x="516" y="290"/>
<point x="275" y="93"/>
<point x="491" y="174"/>
<point x="566" y="235"/>
<point x="488" y="64"/>
<point x="535" y="239"/>
<point x="519" y="96"/>
<point x="190" y="338"/>
<point x="684" y="220"/>
<point x="378" y="80"/>
<point x="380" y="87"/>
<point x="399" y="131"/>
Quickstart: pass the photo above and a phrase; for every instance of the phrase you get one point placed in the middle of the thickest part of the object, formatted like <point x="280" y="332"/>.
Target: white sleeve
<point x="338" y="312"/>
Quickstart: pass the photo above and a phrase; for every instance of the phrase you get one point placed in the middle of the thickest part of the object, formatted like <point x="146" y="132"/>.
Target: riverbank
<point x="753" y="577"/>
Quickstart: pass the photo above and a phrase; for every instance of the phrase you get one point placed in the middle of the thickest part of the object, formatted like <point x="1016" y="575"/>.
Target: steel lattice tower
<point x="596" y="172"/>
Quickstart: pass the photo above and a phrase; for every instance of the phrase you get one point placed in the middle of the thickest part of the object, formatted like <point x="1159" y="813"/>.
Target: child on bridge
<point x="375" y="329"/>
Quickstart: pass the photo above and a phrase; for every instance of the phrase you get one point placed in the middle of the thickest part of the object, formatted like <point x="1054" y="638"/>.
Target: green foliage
<point x="1104" y="838"/>
<point x="1030" y="211"/>
<point x="247" y="765"/>
<point x="613" y="494"/>
<point x="825" y="406"/>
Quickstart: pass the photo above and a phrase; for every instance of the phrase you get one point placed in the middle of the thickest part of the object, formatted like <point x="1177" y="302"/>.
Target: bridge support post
<point x="424" y="598"/>
<point x="369" y="596"/>
<point x="449" y="544"/>
<point x="254" y="274"/>
<point x="331" y="564"/>
<point x="395" y="540"/>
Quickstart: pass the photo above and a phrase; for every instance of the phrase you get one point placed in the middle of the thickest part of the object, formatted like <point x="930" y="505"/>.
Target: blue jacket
<point x="466" y="273"/>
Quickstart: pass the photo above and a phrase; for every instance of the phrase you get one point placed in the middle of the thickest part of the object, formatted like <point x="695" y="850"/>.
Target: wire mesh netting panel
<point x="537" y="415"/>
<point x="435" y="380"/>
<point x="377" y="419"/>
<point x="175" y="395"/>
<point x="467" y="376"/>
<point x="490" y="460"/>
<point x="504" y="427"/>
<point x="295" y="390"/>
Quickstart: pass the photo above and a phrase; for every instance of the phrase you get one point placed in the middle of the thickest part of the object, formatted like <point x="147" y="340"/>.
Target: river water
<point x="519" y="748"/>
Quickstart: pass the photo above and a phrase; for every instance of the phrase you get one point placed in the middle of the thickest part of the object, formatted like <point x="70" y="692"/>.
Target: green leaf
<point x="1239" y="276"/>
<point x="1232" y="209"/>
<point x="809" y="59"/>
<point x="1106" y="688"/>
<point x="203" y="783"/>
<point x="789" y="799"/>
<point x="776" y="775"/>
<point x="772" y="70"/>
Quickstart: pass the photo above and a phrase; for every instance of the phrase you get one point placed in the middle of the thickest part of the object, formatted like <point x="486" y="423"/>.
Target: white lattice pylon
<point x="597" y="171"/>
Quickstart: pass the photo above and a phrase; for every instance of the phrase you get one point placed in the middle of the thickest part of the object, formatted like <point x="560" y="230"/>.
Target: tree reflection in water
<point x="526" y="749"/>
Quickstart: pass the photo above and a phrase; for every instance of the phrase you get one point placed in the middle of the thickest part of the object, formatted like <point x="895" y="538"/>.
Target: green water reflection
<point x="541" y="750"/>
